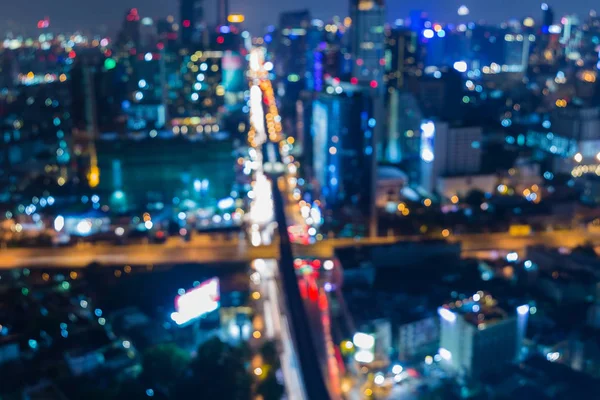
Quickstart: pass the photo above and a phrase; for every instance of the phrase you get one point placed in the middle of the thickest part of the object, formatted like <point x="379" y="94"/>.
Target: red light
<point x="160" y="46"/>
<point x="382" y="61"/>
<point x="302" y="287"/>
<point x="108" y="53"/>
<point x="374" y="84"/>
<point x="297" y="263"/>
<point x="313" y="291"/>
<point x="72" y="54"/>
<point x="220" y="40"/>
<point x="134" y="11"/>
<point x="354" y="81"/>
<point x="323" y="303"/>
<point x="316" y="264"/>
<point x="160" y="234"/>
<point x="186" y="23"/>
<point x="40" y="24"/>
<point x="359" y="62"/>
<point x="132" y="51"/>
<point x="336" y="81"/>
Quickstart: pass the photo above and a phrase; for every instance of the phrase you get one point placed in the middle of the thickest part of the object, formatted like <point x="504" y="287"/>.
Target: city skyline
<point x="68" y="15"/>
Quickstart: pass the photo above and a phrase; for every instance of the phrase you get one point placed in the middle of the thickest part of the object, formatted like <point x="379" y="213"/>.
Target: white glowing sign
<point x="197" y="302"/>
<point x="427" y="138"/>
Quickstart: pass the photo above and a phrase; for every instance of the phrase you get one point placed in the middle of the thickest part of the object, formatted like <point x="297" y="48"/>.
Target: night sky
<point x="69" y="15"/>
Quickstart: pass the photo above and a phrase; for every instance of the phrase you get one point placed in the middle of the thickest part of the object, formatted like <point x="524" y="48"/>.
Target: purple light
<point x="447" y="314"/>
<point x="328" y="287"/>
<point x="523" y="310"/>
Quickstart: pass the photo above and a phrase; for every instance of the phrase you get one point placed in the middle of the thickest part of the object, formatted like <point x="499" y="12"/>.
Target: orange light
<point x="236" y="18"/>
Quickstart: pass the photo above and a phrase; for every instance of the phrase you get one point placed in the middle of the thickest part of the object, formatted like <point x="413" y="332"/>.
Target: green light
<point x="25" y="291"/>
<point x="65" y="285"/>
<point x="109" y="63"/>
<point x="466" y="99"/>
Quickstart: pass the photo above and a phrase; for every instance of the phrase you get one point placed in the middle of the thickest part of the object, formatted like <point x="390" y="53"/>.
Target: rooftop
<point x="480" y="310"/>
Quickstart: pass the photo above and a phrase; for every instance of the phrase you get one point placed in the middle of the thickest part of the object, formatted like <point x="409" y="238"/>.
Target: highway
<point x="206" y="250"/>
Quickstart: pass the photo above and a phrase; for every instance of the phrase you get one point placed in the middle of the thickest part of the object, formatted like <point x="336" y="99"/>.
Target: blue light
<point x="33" y="344"/>
<point x="268" y="38"/>
<point x="441" y="33"/>
<point x="225" y="29"/>
<point x="149" y="392"/>
<point x="98" y="312"/>
<point x="372" y="122"/>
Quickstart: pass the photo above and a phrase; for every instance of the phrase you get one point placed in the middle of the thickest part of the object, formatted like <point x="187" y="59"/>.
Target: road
<point x="220" y="250"/>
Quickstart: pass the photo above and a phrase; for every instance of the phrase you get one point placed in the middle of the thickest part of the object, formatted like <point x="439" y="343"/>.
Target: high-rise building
<point x="368" y="41"/>
<point x="191" y="15"/>
<point x="291" y="53"/>
<point x="222" y="12"/>
<point x="402" y="56"/>
<point x="448" y="151"/>
<point x="403" y="140"/>
<point x="344" y="160"/>
<point x="477" y="337"/>
<point x="166" y="32"/>
<point x="129" y="36"/>
<point x="547" y="17"/>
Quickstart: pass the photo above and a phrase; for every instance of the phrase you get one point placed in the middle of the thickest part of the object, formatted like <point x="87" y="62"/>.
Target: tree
<point x="164" y="365"/>
<point x="270" y="354"/>
<point x="218" y="372"/>
<point x="475" y="198"/>
<point x="270" y="388"/>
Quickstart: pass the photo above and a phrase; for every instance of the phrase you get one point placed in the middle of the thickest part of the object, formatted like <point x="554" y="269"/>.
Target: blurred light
<point x="363" y="340"/>
<point x="428" y="33"/>
<point x="84" y="227"/>
<point x="119" y="231"/>
<point x="379" y="379"/>
<point x="396" y="369"/>
<point x="447" y="314"/>
<point x="460" y="66"/>
<point x="512" y="257"/>
<point x="148" y="225"/>
<point x="446" y="354"/>
<point x="148" y="56"/>
<point x="59" y="223"/>
<point x="463" y="10"/>
<point x="328" y="265"/>
<point x="523" y="310"/>
<point x="364" y="356"/>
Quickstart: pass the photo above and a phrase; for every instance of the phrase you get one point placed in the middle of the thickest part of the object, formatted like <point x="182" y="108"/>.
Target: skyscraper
<point x="547" y="17"/>
<point x="344" y="160"/>
<point x="368" y="41"/>
<point x="191" y="14"/>
<point x="222" y="11"/>
<point x="129" y="36"/>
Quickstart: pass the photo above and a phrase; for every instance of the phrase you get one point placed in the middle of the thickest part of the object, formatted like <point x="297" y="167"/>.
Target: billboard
<point x="233" y="72"/>
<point x="197" y="302"/>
